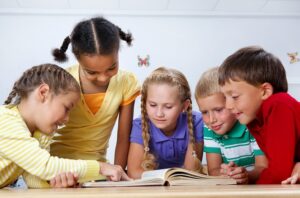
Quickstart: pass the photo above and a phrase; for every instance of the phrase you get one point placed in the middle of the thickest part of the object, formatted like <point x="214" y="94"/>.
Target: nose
<point x="229" y="103"/>
<point x="212" y="118"/>
<point x="102" y="78"/>
<point x="159" y="112"/>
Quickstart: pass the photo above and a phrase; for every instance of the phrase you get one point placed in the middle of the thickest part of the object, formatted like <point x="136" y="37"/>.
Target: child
<point x="255" y="85"/>
<point x="106" y="93"/>
<point x="225" y="139"/>
<point x="168" y="134"/>
<point x="38" y="104"/>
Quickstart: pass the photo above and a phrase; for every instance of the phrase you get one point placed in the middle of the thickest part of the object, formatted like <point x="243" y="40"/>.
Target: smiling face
<point x="244" y="99"/>
<point x="163" y="106"/>
<point x="97" y="70"/>
<point x="54" y="111"/>
<point x="215" y="115"/>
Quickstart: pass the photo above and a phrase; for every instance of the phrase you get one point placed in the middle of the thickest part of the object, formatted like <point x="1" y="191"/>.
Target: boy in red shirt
<point x="255" y="85"/>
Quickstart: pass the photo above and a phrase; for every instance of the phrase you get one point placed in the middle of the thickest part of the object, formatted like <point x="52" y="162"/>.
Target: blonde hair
<point x="171" y="77"/>
<point x="208" y="83"/>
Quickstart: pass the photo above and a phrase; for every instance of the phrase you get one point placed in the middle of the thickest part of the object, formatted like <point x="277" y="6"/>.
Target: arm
<point x="280" y="143"/>
<point x="135" y="159"/>
<point x="241" y="175"/>
<point x="214" y="161"/>
<point x="122" y="145"/>
<point x="261" y="163"/>
<point x="189" y="161"/>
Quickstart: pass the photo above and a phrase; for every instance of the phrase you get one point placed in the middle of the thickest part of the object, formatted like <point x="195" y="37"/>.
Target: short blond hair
<point x="208" y="83"/>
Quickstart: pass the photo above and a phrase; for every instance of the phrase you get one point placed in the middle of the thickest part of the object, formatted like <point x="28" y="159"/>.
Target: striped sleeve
<point x="256" y="150"/>
<point x="17" y="146"/>
<point x="210" y="144"/>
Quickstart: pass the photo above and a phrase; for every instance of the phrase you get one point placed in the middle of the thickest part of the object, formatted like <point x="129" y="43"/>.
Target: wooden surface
<point x="243" y="191"/>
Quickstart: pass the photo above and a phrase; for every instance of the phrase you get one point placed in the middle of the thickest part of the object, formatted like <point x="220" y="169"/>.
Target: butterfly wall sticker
<point x="143" y="61"/>
<point x="293" y="57"/>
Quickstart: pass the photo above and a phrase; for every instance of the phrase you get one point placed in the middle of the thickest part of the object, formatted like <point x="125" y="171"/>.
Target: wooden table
<point x="243" y="191"/>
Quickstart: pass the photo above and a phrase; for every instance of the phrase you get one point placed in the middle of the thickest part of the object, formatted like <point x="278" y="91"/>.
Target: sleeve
<point x="136" y="132"/>
<point x="198" y="127"/>
<point x="17" y="145"/>
<point x="131" y="88"/>
<point x="34" y="181"/>
<point x="280" y="144"/>
<point x="257" y="151"/>
<point x="210" y="144"/>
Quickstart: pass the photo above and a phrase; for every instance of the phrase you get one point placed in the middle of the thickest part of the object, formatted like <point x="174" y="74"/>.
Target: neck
<point x="25" y="112"/>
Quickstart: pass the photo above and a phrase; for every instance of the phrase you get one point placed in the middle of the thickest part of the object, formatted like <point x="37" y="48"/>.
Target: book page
<point x="161" y="173"/>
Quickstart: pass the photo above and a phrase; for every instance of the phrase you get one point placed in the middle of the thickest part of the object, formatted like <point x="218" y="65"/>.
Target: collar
<point x="179" y="133"/>
<point x="236" y="131"/>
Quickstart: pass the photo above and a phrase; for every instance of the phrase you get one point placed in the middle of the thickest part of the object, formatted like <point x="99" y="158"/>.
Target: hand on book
<point x="113" y="172"/>
<point x="295" y="177"/>
<point x="64" y="180"/>
<point x="238" y="173"/>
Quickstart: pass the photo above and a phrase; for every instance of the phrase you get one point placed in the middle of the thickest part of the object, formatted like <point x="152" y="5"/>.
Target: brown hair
<point x="255" y="66"/>
<point x="208" y="83"/>
<point x="171" y="77"/>
<point x="58" y="80"/>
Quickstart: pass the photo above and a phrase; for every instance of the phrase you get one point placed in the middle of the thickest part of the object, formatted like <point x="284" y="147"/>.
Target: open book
<point x="169" y="176"/>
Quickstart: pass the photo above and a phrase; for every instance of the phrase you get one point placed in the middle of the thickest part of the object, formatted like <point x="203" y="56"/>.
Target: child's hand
<point x="295" y="175"/>
<point x="240" y="174"/>
<point x="64" y="180"/>
<point x="113" y="172"/>
<point x="227" y="168"/>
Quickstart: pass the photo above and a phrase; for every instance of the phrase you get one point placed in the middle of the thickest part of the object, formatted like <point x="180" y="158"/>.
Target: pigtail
<point x="11" y="96"/>
<point x="149" y="159"/>
<point x="125" y="36"/>
<point x="60" y="54"/>
<point x="198" y="167"/>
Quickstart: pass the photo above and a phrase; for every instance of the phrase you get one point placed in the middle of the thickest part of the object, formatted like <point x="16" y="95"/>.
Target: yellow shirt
<point x="86" y="135"/>
<point x="20" y="153"/>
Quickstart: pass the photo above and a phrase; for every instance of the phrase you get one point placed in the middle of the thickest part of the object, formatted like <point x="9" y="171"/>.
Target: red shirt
<point x="277" y="132"/>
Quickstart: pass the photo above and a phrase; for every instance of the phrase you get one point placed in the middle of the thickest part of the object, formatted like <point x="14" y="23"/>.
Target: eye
<point x="169" y="107"/>
<point x="204" y="112"/>
<point x="234" y="97"/>
<point x="112" y="68"/>
<point x="219" y="110"/>
<point x="90" y="72"/>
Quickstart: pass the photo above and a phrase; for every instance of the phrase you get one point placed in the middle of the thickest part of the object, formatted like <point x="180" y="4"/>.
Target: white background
<point x="190" y="43"/>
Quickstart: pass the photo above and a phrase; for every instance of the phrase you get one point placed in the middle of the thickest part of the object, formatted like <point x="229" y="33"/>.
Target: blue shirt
<point x="169" y="150"/>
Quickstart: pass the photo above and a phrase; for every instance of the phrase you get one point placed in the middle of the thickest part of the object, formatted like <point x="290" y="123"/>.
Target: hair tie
<point x="146" y="149"/>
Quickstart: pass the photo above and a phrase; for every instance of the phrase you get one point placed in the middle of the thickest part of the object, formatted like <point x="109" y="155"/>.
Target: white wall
<point x="189" y="43"/>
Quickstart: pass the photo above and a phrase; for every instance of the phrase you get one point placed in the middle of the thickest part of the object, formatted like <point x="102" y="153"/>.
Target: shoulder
<point x="11" y="120"/>
<point x="126" y="75"/>
<point x="282" y="101"/>
<point x="197" y="118"/>
<point x="73" y="69"/>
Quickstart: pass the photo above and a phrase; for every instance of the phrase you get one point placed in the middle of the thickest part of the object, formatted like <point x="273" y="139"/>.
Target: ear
<point x="186" y="105"/>
<point x="43" y="91"/>
<point x="267" y="90"/>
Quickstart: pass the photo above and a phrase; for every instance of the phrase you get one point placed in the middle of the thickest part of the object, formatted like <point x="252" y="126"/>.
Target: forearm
<point x="254" y="174"/>
<point x="121" y="153"/>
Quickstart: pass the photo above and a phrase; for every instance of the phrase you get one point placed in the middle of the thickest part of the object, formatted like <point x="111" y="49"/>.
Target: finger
<point x="287" y="181"/>
<point x="53" y="183"/>
<point x="125" y="177"/>
<point x="294" y="179"/>
<point x="64" y="180"/>
<point x="70" y="179"/>
<point x="237" y="170"/>
<point x="58" y="181"/>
